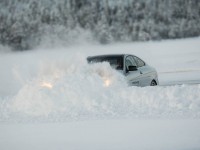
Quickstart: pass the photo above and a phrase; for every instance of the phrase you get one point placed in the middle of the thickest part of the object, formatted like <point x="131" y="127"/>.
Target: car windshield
<point x="115" y="61"/>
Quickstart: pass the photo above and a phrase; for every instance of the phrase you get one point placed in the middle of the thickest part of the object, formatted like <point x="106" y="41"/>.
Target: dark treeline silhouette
<point x="23" y="23"/>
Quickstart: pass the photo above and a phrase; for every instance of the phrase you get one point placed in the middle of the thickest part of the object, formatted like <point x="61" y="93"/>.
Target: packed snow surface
<point x="57" y="100"/>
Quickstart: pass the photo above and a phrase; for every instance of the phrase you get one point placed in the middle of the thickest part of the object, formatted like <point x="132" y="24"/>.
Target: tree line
<point x="23" y="23"/>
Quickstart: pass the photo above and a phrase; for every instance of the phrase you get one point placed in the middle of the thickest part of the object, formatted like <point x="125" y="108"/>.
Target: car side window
<point x="130" y="61"/>
<point x="139" y="62"/>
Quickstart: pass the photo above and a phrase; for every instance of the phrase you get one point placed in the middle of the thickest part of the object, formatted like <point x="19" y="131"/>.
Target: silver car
<point x="136" y="71"/>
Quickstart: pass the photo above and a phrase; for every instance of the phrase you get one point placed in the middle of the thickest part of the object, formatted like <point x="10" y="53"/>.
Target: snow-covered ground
<point x="50" y="98"/>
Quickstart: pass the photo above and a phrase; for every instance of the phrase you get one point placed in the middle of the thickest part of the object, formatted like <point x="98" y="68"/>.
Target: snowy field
<point x="51" y="99"/>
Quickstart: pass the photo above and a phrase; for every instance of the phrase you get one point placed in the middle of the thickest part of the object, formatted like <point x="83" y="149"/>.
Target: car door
<point x="133" y="77"/>
<point x="145" y="76"/>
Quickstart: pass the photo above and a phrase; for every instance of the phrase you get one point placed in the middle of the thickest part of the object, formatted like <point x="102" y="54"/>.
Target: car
<point x="136" y="71"/>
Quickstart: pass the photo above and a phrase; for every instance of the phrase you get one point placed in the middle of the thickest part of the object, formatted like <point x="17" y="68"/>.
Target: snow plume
<point x="70" y="89"/>
<point x="60" y="36"/>
<point x="74" y="90"/>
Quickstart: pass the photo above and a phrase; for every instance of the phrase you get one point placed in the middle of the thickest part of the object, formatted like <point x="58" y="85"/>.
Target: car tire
<point x="153" y="83"/>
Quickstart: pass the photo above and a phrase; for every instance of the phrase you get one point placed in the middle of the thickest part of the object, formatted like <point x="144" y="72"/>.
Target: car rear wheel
<point x="153" y="83"/>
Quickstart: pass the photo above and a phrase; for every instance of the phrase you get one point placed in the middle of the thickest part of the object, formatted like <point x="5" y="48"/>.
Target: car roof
<point x="108" y="55"/>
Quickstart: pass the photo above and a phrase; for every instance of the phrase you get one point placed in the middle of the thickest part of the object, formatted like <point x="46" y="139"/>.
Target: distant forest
<point x="25" y="23"/>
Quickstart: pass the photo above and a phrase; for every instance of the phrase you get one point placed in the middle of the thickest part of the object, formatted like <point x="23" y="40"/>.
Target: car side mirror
<point x="132" y="68"/>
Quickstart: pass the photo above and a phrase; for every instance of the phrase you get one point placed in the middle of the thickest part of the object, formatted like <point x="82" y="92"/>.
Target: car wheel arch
<point x="153" y="83"/>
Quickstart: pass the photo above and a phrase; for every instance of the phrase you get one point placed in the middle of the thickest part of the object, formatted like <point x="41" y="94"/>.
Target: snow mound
<point x="75" y="90"/>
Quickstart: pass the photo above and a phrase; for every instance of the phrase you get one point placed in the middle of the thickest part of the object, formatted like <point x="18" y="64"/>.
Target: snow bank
<point x="86" y="100"/>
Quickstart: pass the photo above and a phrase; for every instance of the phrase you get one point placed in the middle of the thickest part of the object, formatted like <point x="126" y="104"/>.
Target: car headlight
<point x="107" y="82"/>
<point x="47" y="85"/>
